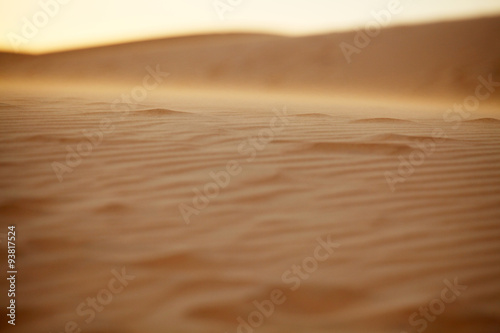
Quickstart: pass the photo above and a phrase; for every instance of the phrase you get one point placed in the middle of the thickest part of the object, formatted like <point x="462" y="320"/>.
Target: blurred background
<point x="38" y="26"/>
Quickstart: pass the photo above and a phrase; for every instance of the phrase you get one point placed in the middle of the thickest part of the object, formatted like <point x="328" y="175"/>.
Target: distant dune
<point x="432" y="60"/>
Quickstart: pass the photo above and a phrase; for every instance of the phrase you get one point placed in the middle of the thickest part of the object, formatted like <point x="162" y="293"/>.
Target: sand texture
<point x="320" y="174"/>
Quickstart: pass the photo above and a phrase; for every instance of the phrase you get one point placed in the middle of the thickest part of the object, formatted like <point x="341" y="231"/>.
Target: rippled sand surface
<point x="409" y="205"/>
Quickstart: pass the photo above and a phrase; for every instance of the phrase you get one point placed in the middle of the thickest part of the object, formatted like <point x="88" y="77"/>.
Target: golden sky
<point x="36" y="26"/>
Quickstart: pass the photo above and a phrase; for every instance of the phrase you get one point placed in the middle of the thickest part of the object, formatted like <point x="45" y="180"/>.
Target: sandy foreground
<point x="192" y="214"/>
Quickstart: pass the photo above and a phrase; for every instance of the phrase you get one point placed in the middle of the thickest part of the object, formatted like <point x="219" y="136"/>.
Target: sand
<point x="431" y="62"/>
<point x="211" y="212"/>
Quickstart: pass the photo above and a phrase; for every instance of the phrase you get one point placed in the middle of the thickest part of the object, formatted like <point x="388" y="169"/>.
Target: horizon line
<point x="263" y="32"/>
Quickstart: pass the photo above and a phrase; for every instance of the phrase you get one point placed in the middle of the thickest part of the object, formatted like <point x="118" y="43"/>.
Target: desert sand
<point x="253" y="189"/>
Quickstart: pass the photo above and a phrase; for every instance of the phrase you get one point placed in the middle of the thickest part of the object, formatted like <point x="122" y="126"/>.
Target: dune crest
<point x="304" y="65"/>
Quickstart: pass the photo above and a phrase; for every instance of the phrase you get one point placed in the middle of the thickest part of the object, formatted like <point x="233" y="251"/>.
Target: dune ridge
<point x="434" y="60"/>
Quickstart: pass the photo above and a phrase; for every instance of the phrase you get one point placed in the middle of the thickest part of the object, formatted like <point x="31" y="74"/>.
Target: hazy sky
<point x="44" y="25"/>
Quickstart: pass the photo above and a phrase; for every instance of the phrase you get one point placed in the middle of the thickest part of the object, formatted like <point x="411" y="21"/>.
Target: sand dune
<point x="237" y="196"/>
<point x="425" y="61"/>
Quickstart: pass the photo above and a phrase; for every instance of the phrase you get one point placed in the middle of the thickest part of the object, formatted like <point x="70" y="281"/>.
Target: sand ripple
<point x="119" y="207"/>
